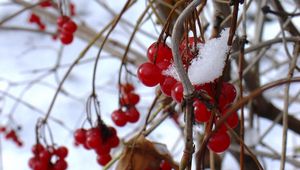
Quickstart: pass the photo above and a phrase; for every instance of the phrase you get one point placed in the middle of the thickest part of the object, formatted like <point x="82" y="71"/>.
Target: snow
<point x="209" y="63"/>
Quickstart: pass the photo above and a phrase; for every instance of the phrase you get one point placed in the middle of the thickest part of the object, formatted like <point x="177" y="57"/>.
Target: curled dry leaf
<point x="141" y="154"/>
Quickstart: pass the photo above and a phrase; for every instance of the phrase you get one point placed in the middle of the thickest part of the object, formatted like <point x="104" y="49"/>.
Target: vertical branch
<point x="187" y="85"/>
<point x="286" y="107"/>
<point x="241" y="66"/>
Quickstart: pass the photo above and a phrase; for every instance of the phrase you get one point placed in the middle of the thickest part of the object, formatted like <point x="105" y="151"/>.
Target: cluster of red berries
<point x="11" y="134"/>
<point x="48" y="158"/>
<point x="150" y="74"/>
<point x="66" y="26"/>
<point x="128" y="101"/>
<point x="35" y="19"/>
<point x="66" y="29"/>
<point x="160" y="57"/>
<point x="100" y="138"/>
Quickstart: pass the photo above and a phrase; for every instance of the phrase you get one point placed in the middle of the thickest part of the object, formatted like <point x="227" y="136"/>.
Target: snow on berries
<point x="204" y="63"/>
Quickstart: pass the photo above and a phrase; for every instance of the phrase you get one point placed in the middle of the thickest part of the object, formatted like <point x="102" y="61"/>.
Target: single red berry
<point x="45" y="4"/>
<point x="219" y="142"/>
<point x="45" y="156"/>
<point x="66" y="38"/>
<point x="167" y="84"/>
<point x="165" y="165"/>
<point x="207" y="87"/>
<point x="202" y="114"/>
<point x="103" y="149"/>
<point x="37" y="148"/>
<point x="113" y="131"/>
<point x="103" y="159"/>
<point x="93" y="141"/>
<point x="177" y="92"/>
<point x="119" y="117"/>
<point x="61" y="20"/>
<point x="70" y="26"/>
<point x="132" y="114"/>
<point x="158" y="52"/>
<point x="149" y="74"/>
<point x="232" y="120"/>
<point x="2" y="129"/>
<point x="61" y="152"/>
<point x="130" y="99"/>
<point x="113" y="141"/>
<point x="80" y="135"/>
<point x="33" y="18"/>
<point x="227" y="96"/>
<point x="163" y="65"/>
<point x="60" y="164"/>
<point x="42" y="26"/>
<point x="127" y="88"/>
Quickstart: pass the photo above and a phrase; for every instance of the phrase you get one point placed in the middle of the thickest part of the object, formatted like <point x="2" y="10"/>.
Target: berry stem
<point x="188" y="88"/>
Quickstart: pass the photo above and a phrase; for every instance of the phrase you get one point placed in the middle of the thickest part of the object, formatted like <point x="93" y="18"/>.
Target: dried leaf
<point x="142" y="154"/>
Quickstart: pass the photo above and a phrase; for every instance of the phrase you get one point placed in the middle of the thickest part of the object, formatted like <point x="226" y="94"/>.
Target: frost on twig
<point x="209" y="63"/>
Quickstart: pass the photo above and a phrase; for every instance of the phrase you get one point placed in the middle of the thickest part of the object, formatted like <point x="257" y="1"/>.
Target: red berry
<point x="232" y="120"/>
<point x="219" y="142"/>
<point x="227" y="96"/>
<point x="119" y="117"/>
<point x="177" y="92"/>
<point x="70" y="26"/>
<point x="113" y="141"/>
<point x="132" y="115"/>
<point x="33" y="18"/>
<point x="66" y="38"/>
<point x="42" y="26"/>
<point x="61" y="152"/>
<point x="202" y="114"/>
<point x="149" y="74"/>
<point x="167" y="84"/>
<point x="163" y="65"/>
<point x="113" y="131"/>
<point x="103" y="159"/>
<point x="103" y="149"/>
<point x="61" y="20"/>
<point x="45" y="156"/>
<point x="2" y="129"/>
<point x="80" y="135"/>
<point x="93" y="141"/>
<point x="60" y="164"/>
<point x="45" y="4"/>
<point x="165" y="165"/>
<point x="158" y="52"/>
<point x="37" y="148"/>
<point x="130" y="99"/>
<point x="126" y="88"/>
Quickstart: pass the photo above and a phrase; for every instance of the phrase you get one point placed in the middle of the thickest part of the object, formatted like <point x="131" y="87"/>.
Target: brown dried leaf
<point x="142" y="154"/>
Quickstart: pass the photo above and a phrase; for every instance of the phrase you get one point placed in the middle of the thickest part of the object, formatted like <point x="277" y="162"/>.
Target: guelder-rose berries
<point x="149" y="74"/>
<point x="119" y="117"/>
<point x="166" y="85"/>
<point x="159" y="52"/>
<point x="67" y="28"/>
<point x="177" y="92"/>
<point x="219" y="142"/>
<point x="202" y="114"/>
<point x="43" y="158"/>
<point x="101" y="139"/>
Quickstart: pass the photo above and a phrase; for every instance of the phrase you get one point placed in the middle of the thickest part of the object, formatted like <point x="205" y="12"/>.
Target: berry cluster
<point x="150" y="74"/>
<point x="100" y="138"/>
<point x="66" y="28"/>
<point x="160" y="57"/>
<point x="128" y="101"/>
<point x="48" y="158"/>
<point x="35" y="19"/>
<point x="10" y="134"/>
